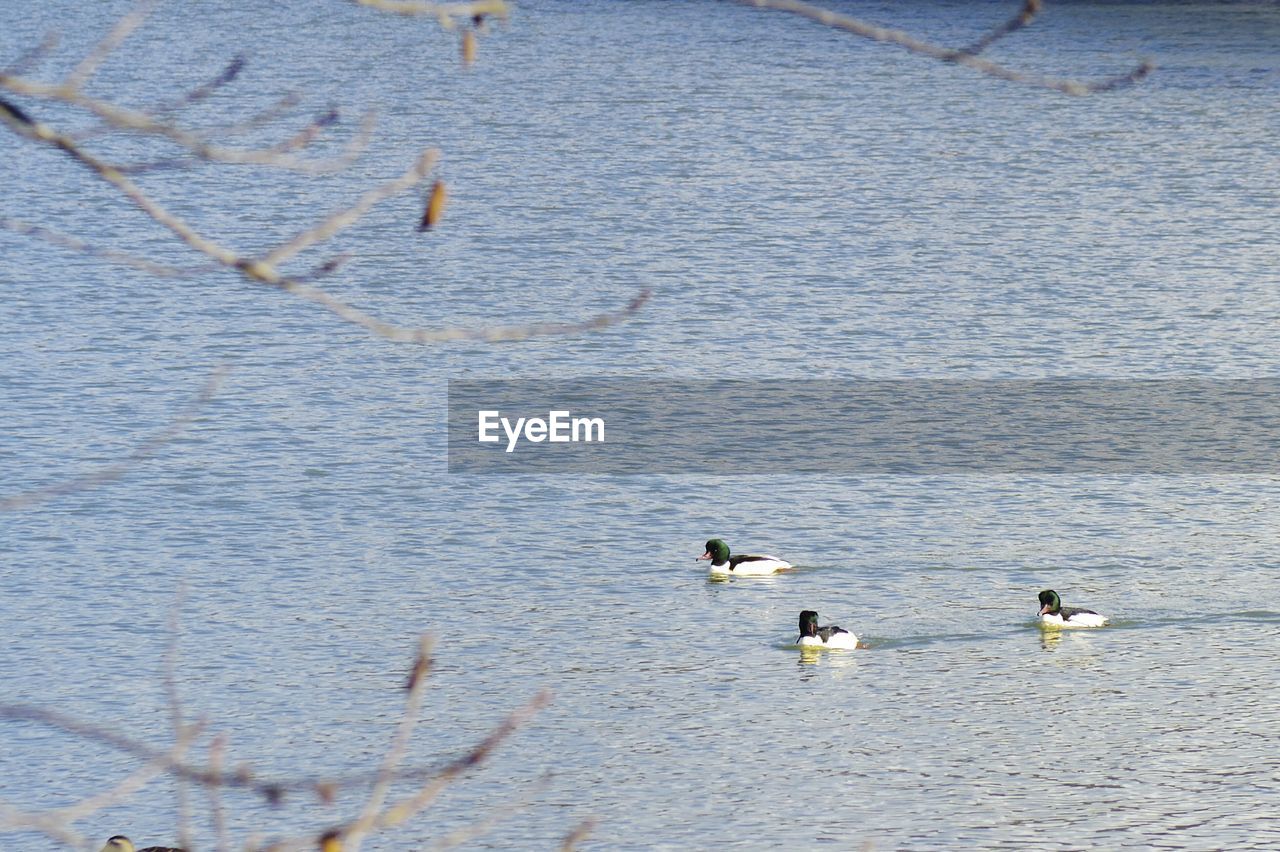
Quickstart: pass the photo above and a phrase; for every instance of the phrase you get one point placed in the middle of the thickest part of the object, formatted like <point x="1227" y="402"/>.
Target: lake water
<point x="803" y="204"/>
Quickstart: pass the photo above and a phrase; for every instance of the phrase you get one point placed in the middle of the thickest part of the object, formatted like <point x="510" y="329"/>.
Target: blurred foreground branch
<point x="968" y="56"/>
<point x="374" y="816"/>
<point x="198" y="147"/>
<point x="115" y="470"/>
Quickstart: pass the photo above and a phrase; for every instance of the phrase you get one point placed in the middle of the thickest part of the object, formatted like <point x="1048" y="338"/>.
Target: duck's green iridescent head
<point x="1049" y="602"/>
<point x="118" y="843"/>
<point x="717" y="552"/>
<point x="808" y="623"/>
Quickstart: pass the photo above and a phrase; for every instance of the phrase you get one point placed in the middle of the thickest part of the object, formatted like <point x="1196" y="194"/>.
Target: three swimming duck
<point x="1052" y="613"/>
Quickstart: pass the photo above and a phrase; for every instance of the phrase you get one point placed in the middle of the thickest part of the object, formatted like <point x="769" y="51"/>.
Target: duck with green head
<point x="831" y="636"/>
<point x="724" y="565"/>
<point x="1054" y="614"/>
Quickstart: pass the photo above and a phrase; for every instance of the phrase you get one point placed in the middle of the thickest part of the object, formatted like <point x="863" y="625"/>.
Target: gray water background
<point x="803" y="204"/>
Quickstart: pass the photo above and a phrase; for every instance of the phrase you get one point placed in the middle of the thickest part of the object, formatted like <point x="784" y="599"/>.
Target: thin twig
<point x="57" y="823"/>
<point x="325" y="269"/>
<point x="196" y="95"/>
<point x="579" y="834"/>
<point x="135" y="121"/>
<point x="174" y="699"/>
<point x="445" y="13"/>
<point x="354" y="836"/>
<point x="486" y="334"/>
<point x="245" y="125"/>
<point x="354" y="147"/>
<point x="217" y="750"/>
<point x="12" y="817"/>
<point x="32" y="57"/>
<point x="121" y="31"/>
<point x="407" y="807"/>
<point x="348" y="216"/>
<point x="945" y="54"/>
<point x="258" y="119"/>
<point x="1025" y="16"/>
<point x="133" y="782"/>
<point x="312" y="131"/>
<point x="438" y="781"/>
<point x="470" y="832"/>
<point x="114" y="471"/>
<point x="204" y="90"/>
<point x="109" y="255"/>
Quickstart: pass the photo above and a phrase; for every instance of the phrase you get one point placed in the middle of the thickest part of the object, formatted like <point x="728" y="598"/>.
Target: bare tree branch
<point x="924" y="48"/>
<point x="114" y="471"/>
<point x="121" y="31"/>
<point x="133" y="782"/>
<point x="174" y="699"/>
<point x="445" y="13"/>
<point x="348" y="216"/>
<point x="217" y="750"/>
<point x="106" y="254"/>
<point x="325" y="269"/>
<point x="467" y="833"/>
<point x="57" y="823"/>
<point x="196" y="95"/>
<point x="579" y="834"/>
<point x="31" y="57"/>
<point x="278" y="154"/>
<point x="259" y="119"/>
<point x="204" y="90"/>
<point x="135" y="121"/>
<point x="1025" y="16"/>
<point x="274" y="791"/>
<point x="263" y="270"/>
<point x="13" y="817"/>
<point x="407" y="807"/>
<point x="253" y="122"/>
<point x="355" y="834"/>
<point x="490" y="334"/>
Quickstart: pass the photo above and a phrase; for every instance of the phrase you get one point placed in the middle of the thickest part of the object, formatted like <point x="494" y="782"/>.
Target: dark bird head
<point x="717" y="552"/>
<point x="1049" y="602"/>
<point x="808" y="623"/>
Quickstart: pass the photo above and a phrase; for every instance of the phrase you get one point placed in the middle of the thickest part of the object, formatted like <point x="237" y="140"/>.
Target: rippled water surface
<point x="802" y="204"/>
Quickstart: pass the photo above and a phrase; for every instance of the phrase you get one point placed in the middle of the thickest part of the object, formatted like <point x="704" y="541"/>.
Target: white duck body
<point x="1073" y="618"/>
<point x="750" y="566"/>
<point x="844" y="641"/>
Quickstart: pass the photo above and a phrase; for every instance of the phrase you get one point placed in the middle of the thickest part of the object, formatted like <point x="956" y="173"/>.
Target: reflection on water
<point x="1076" y="649"/>
<point x="835" y="658"/>
<point x="765" y="582"/>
